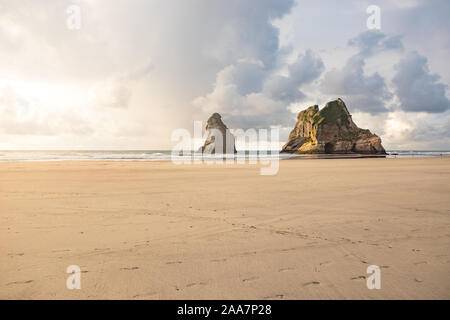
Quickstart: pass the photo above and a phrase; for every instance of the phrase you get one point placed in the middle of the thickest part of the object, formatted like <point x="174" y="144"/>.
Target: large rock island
<point x="219" y="139"/>
<point x="330" y="130"/>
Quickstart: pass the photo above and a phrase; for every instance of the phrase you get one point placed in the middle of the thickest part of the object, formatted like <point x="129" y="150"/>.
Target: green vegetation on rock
<point x="331" y="113"/>
<point x="309" y="113"/>
<point x="330" y="130"/>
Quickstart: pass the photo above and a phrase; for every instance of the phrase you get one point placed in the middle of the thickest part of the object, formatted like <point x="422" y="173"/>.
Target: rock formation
<point x="219" y="139"/>
<point x="330" y="130"/>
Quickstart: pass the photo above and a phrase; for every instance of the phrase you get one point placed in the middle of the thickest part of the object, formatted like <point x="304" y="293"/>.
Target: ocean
<point x="166" y="155"/>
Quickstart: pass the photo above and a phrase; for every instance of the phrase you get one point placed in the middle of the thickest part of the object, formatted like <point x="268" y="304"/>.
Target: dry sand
<point x="154" y="230"/>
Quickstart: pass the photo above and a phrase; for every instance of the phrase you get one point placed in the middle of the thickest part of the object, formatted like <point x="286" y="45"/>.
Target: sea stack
<point x="219" y="139"/>
<point x="330" y="130"/>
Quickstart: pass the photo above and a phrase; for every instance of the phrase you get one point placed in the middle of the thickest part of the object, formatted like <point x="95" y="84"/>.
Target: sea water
<point x="166" y="155"/>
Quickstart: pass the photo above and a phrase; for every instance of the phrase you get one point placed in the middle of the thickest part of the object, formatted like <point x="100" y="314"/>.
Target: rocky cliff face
<point x="330" y="130"/>
<point x="219" y="139"/>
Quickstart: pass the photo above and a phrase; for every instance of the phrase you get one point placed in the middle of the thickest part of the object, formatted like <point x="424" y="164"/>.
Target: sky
<point x="124" y="74"/>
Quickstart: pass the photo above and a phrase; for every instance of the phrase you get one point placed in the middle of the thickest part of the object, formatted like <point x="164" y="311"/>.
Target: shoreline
<point x="246" y="159"/>
<point x="166" y="155"/>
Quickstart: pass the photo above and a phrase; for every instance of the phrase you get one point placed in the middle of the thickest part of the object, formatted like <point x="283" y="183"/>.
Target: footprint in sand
<point x="20" y="282"/>
<point x="288" y="249"/>
<point x="196" y="284"/>
<point x="146" y="244"/>
<point x="250" y="279"/>
<point x="62" y="250"/>
<point x="129" y="268"/>
<point x="277" y="296"/>
<point x="142" y="295"/>
<point x="16" y="254"/>
<point x="311" y="283"/>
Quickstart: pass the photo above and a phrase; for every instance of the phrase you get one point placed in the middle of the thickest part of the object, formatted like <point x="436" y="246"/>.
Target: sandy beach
<point x="156" y="230"/>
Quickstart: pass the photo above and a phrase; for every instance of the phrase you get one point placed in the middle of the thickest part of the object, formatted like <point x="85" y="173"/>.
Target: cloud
<point x="20" y="116"/>
<point x="250" y="90"/>
<point x="374" y="41"/>
<point x="116" y="92"/>
<point x="249" y="95"/>
<point x="247" y="27"/>
<point x="417" y="131"/>
<point x="304" y="70"/>
<point x="416" y="88"/>
<point x="361" y="93"/>
<point x="140" y="71"/>
<point x="136" y="74"/>
<point x="282" y="88"/>
<point x="406" y="3"/>
<point x="111" y="95"/>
